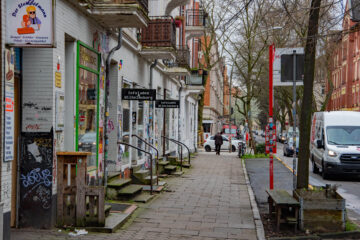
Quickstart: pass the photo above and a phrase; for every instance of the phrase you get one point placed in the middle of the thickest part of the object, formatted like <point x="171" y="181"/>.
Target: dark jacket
<point x="218" y="139"/>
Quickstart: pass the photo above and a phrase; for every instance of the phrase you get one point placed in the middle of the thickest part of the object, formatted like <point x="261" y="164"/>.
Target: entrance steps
<point x="116" y="215"/>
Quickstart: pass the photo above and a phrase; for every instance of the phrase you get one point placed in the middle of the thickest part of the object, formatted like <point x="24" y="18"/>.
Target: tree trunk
<point x="305" y="117"/>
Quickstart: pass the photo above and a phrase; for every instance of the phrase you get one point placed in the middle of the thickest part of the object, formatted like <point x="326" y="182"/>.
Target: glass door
<point x="87" y="105"/>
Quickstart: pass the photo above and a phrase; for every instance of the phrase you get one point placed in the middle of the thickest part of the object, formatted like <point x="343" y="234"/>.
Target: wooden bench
<point x="281" y="200"/>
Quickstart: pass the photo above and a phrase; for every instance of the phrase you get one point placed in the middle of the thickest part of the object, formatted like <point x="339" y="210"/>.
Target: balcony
<point x="116" y="13"/>
<point x="196" y="23"/>
<point x="172" y="4"/>
<point x="158" y="39"/>
<point x="181" y="66"/>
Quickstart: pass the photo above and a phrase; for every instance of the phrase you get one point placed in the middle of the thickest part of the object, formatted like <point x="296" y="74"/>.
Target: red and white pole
<point x="271" y="124"/>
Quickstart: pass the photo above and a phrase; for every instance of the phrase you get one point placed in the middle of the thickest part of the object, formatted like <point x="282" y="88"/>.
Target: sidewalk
<point x="211" y="201"/>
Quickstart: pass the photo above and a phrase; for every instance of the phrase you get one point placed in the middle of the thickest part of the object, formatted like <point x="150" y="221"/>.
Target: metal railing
<point x="161" y="32"/>
<point x="196" y="18"/>
<point x="157" y="155"/>
<point x="151" y="162"/>
<point x="183" y="55"/>
<point x="181" y="144"/>
<point x="94" y="3"/>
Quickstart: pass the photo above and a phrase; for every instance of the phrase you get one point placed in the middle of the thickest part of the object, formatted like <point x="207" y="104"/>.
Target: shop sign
<point x="138" y="94"/>
<point x="88" y="58"/>
<point x="167" y="104"/>
<point x="9" y="126"/>
<point x="29" y="23"/>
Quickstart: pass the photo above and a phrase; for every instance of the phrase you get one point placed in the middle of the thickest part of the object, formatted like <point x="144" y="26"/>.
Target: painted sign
<point x="29" y="23"/>
<point x="88" y="58"/>
<point x="138" y="94"/>
<point x="9" y="123"/>
<point x="167" y="104"/>
<point x="35" y="180"/>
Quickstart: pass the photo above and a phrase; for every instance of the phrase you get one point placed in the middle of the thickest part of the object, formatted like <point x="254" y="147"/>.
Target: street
<point x="348" y="188"/>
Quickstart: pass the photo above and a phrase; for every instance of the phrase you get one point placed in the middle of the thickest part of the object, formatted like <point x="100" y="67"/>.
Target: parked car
<point x="282" y="136"/>
<point x="288" y="148"/>
<point x="335" y="143"/>
<point x="87" y="142"/>
<point x="210" y="144"/>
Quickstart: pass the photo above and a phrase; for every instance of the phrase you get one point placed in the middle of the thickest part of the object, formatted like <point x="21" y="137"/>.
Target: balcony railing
<point x="197" y="79"/>
<point x="161" y="32"/>
<point x="183" y="56"/>
<point x="196" y="18"/>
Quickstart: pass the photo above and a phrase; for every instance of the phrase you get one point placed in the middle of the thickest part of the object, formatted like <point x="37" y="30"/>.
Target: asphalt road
<point x="347" y="188"/>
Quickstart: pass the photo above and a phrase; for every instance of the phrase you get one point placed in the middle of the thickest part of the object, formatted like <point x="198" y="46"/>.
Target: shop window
<point x="87" y="117"/>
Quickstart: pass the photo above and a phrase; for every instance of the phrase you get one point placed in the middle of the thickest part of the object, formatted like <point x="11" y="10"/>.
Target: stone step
<point x="118" y="183"/>
<point x="172" y="159"/>
<point x="156" y="188"/>
<point x="178" y="173"/>
<point x="129" y="190"/>
<point x="164" y="163"/>
<point x="147" y="179"/>
<point x="143" y="198"/>
<point x="170" y="167"/>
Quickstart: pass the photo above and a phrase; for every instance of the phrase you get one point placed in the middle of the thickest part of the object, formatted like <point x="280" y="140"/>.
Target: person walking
<point x="218" y="143"/>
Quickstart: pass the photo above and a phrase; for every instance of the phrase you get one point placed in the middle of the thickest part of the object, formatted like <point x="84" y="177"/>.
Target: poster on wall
<point x="29" y="23"/>
<point x="9" y="123"/>
<point x="60" y="108"/>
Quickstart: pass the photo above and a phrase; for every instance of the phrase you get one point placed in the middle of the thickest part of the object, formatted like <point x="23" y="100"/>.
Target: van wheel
<point x="208" y="148"/>
<point x="233" y="148"/>
<point x="324" y="173"/>
<point x="315" y="168"/>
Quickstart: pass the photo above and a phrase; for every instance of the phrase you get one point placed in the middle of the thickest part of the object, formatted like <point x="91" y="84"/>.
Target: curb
<point x="260" y="233"/>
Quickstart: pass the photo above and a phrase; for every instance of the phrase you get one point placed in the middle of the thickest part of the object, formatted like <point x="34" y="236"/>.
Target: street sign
<point x="167" y="104"/>
<point x="138" y="94"/>
<point x="283" y="66"/>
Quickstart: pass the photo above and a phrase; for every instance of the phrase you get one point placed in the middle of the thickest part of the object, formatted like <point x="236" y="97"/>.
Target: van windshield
<point x="343" y="135"/>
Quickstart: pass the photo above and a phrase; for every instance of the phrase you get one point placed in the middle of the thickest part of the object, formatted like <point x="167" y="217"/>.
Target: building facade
<point x="69" y="96"/>
<point x="213" y="113"/>
<point x="345" y="62"/>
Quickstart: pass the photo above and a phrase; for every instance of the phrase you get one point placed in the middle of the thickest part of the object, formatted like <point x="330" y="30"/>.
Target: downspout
<point x="107" y="75"/>
<point x="179" y="113"/>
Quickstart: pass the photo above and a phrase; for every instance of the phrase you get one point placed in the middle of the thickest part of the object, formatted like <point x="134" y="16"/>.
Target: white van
<point x="335" y="143"/>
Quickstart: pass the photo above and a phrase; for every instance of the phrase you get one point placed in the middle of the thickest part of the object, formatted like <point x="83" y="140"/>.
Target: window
<point x="87" y="114"/>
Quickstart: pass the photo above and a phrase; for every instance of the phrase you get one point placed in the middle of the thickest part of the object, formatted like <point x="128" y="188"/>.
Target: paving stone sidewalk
<point x="210" y="202"/>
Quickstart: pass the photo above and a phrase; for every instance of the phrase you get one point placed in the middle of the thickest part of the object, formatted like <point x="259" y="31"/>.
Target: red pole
<point x="271" y="60"/>
<point x="271" y="167"/>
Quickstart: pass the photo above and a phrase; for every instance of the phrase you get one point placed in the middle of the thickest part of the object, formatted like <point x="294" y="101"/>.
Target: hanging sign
<point x="138" y="94"/>
<point x="29" y="23"/>
<point x="167" y="104"/>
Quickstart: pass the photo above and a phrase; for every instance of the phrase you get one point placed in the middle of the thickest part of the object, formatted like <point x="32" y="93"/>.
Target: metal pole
<point x="294" y="118"/>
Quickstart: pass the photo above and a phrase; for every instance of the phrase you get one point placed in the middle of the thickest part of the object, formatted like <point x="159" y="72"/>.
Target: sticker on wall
<point x="120" y="64"/>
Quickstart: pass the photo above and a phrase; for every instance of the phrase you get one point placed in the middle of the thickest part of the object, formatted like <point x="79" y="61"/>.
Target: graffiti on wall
<point x="36" y="179"/>
<point x="36" y="116"/>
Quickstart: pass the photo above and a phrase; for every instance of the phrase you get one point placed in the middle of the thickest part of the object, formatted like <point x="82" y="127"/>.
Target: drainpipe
<point x="179" y="113"/>
<point x="151" y="109"/>
<point x="107" y="75"/>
